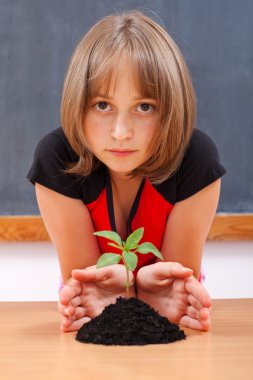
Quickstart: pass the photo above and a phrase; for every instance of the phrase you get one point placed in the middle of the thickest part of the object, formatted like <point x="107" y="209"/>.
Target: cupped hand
<point x="175" y="293"/>
<point x="89" y="291"/>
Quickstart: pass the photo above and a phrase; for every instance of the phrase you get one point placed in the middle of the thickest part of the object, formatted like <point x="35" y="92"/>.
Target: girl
<point x="128" y="156"/>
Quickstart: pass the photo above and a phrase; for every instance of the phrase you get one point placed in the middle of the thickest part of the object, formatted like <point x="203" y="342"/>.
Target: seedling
<point x="128" y="248"/>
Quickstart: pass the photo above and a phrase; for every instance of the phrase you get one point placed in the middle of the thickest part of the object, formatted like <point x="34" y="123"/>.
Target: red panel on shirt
<point x="151" y="213"/>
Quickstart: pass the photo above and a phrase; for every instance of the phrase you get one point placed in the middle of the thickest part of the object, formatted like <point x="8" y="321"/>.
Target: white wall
<point x="29" y="271"/>
<point x="228" y="267"/>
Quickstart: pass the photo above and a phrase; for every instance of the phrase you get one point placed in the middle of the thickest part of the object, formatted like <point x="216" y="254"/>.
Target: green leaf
<point x="111" y="235"/>
<point x="108" y="259"/>
<point x="130" y="259"/>
<point x="149" y="248"/>
<point x="133" y="239"/>
<point x="116" y="246"/>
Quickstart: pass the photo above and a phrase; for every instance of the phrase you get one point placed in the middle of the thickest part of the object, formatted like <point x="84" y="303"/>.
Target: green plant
<point x="128" y="248"/>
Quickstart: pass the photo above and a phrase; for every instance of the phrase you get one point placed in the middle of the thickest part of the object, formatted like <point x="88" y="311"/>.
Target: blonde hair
<point x="162" y="74"/>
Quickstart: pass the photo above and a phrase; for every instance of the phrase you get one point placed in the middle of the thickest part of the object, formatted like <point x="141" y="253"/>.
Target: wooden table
<point x="33" y="347"/>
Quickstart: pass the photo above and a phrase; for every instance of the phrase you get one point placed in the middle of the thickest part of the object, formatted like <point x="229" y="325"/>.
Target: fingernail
<point x="184" y="269"/>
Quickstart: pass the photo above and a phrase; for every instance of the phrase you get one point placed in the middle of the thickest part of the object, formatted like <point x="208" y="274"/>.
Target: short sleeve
<point x="200" y="167"/>
<point x="50" y="159"/>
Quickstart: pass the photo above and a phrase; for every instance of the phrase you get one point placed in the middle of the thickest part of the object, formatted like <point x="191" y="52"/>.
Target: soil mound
<point x="129" y="322"/>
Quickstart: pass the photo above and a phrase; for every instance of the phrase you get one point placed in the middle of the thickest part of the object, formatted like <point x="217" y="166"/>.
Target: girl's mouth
<point x="121" y="152"/>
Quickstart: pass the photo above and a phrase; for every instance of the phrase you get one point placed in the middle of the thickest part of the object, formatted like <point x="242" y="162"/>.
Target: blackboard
<point x="38" y="37"/>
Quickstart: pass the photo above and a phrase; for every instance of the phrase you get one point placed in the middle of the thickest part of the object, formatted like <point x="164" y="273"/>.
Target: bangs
<point x="102" y="76"/>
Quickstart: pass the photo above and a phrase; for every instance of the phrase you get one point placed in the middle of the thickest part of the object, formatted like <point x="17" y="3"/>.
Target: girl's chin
<point x="120" y="170"/>
<point x="121" y="167"/>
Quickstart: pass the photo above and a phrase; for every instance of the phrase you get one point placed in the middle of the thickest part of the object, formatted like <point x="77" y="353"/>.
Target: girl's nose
<point x="121" y="129"/>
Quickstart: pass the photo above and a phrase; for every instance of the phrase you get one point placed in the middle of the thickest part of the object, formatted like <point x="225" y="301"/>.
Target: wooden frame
<point x="31" y="228"/>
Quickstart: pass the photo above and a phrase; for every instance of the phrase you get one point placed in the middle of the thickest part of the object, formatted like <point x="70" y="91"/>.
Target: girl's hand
<point x="89" y="291"/>
<point x="174" y="292"/>
<point x="72" y="313"/>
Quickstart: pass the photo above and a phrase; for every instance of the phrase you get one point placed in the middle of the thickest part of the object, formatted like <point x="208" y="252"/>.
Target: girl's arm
<point x="169" y="286"/>
<point x="188" y="226"/>
<point x="70" y="228"/>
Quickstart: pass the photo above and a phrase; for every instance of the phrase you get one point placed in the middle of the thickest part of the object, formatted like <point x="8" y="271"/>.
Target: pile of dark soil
<point x="129" y="322"/>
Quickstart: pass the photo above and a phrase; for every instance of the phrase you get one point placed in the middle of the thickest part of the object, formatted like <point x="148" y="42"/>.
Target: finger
<point x="172" y="270"/>
<point x="167" y="270"/>
<point x="192" y="312"/>
<point x="65" y="322"/>
<point x="201" y="315"/>
<point x="70" y="309"/>
<point x="204" y="314"/>
<point x="110" y="275"/>
<point x="76" y="301"/>
<point x="92" y="274"/>
<point x="194" y="302"/>
<point x="195" y="324"/>
<point x="70" y="291"/>
<point x="74" y="313"/>
<point x="80" y="312"/>
<point x="197" y="290"/>
<point x="76" y="325"/>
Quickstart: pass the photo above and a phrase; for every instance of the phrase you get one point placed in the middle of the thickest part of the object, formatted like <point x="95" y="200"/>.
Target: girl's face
<point x="120" y="125"/>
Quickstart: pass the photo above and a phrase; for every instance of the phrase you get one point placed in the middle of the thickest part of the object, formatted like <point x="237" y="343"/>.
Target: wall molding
<point x="30" y="228"/>
<point x="232" y="227"/>
<point x="25" y="228"/>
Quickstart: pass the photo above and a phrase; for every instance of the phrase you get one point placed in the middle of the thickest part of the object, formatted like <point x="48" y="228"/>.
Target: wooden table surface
<point x="33" y="347"/>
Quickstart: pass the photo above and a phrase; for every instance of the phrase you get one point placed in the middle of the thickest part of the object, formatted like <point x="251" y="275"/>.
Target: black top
<point x="200" y="167"/>
<point x="153" y="203"/>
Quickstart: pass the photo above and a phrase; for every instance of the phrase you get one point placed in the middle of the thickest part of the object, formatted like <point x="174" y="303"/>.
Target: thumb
<point x="167" y="270"/>
<point x="92" y="274"/>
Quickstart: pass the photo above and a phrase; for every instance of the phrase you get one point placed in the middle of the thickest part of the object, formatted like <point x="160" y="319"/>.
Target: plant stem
<point x="127" y="277"/>
<point x="127" y="282"/>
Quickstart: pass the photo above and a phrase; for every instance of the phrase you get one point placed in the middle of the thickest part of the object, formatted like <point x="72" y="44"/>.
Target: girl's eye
<point x="103" y="106"/>
<point x="145" y="107"/>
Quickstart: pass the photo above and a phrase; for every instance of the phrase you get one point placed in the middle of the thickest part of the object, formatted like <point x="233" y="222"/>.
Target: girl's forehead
<point x="118" y="74"/>
<point x="139" y="76"/>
